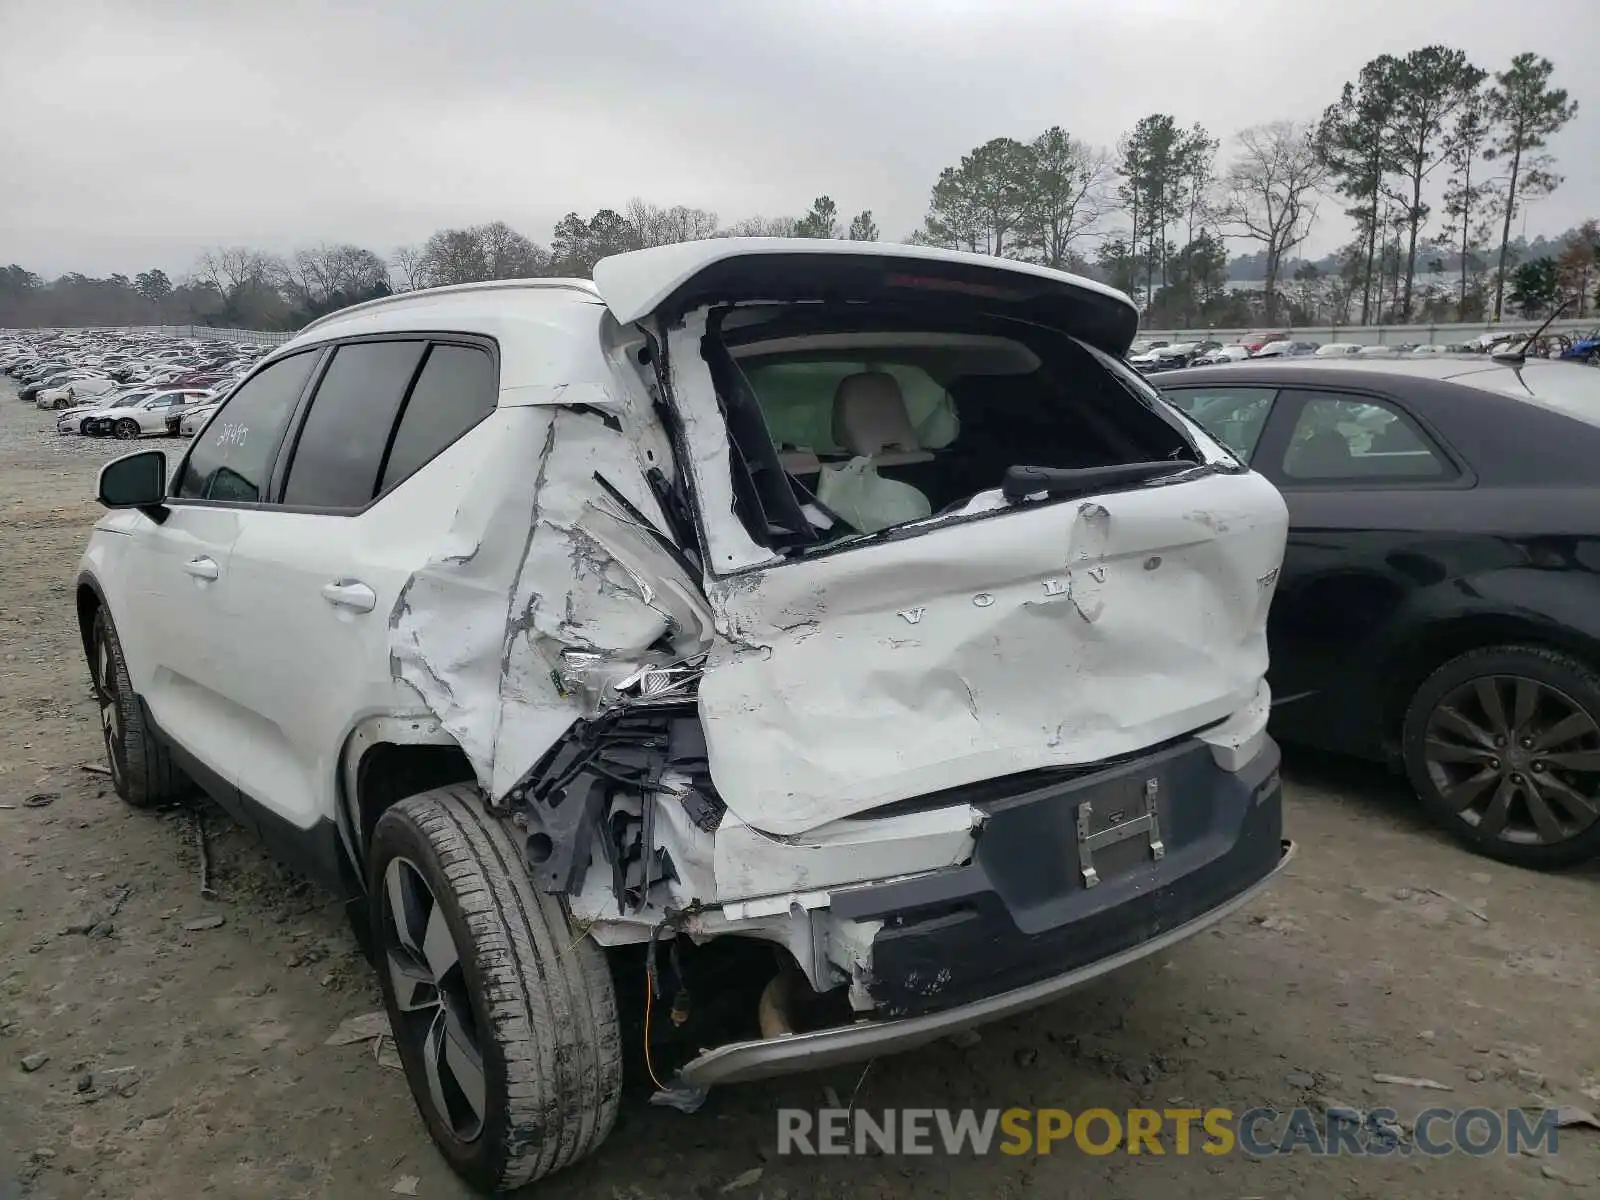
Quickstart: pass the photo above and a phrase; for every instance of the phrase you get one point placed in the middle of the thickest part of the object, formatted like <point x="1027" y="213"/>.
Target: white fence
<point x="1377" y="335"/>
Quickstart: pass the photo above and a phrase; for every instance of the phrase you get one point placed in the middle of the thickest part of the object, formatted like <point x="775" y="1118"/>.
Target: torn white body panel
<point x="1048" y="635"/>
<point x="539" y="562"/>
<point x="750" y="863"/>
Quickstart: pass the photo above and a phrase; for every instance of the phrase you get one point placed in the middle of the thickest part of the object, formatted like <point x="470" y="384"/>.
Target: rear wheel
<point x="505" y="1019"/>
<point x="127" y="429"/>
<point x="142" y="771"/>
<point x="1503" y="747"/>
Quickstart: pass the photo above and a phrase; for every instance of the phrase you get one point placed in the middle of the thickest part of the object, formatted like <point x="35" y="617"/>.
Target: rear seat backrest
<point x="870" y="420"/>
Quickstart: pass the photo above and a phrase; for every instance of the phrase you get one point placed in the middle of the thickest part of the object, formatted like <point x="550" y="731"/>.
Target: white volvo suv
<point x="771" y="654"/>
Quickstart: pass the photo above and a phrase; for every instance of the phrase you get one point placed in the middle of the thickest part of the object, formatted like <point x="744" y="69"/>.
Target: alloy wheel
<point x="127" y="430"/>
<point x="430" y="992"/>
<point x="105" y="694"/>
<point x="1517" y="759"/>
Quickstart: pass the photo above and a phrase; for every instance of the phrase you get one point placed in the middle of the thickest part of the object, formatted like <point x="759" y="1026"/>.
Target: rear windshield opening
<point x="844" y="426"/>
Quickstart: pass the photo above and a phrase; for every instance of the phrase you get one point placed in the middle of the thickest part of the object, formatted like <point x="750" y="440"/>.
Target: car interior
<point x="878" y="423"/>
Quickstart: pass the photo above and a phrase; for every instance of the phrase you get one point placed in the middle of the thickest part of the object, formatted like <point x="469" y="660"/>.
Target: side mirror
<point x="136" y="481"/>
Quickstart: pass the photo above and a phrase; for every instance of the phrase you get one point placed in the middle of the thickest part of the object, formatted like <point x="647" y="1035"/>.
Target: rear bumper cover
<point x="1023" y="924"/>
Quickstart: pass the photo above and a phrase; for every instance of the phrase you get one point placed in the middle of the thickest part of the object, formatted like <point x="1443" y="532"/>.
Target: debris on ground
<point x="1570" y="1116"/>
<point x="406" y="1185"/>
<point x="387" y="1053"/>
<point x="200" y="924"/>
<point x="94" y="768"/>
<point x="362" y="1028"/>
<point x="32" y="1062"/>
<point x="1413" y="1081"/>
<point x="41" y="800"/>
<point x="743" y="1180"/>
<point x="207" y="892"/>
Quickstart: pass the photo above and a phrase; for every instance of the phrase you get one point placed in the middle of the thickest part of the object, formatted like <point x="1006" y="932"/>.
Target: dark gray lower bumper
<point x="851" y="1043"/>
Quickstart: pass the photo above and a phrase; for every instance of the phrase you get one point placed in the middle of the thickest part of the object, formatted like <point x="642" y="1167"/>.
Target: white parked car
<point x="544" y="618"/>
<point x="191" y="419"/>
<point x="127" y="422"/>
<point x="1337" y="350"/>
<point x="1223" y="354"/>
<point x="69" y="394"/>
<point x="72" y="420"/>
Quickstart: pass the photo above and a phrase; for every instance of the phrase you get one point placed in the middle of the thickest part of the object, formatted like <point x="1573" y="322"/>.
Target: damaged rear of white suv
<point x="845" y="611"/>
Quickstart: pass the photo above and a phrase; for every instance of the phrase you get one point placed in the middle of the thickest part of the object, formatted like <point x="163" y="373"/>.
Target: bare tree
<point x="230" y="269"/>
<point x="510" y="255"/>
<point x="492" y="251"/>
<point x="760" y="227"/>
<point x="1068" y="191"/>
<point x="655" y="226"/>
<point x="1271" y="190"/>
<point x="407" y="269"/>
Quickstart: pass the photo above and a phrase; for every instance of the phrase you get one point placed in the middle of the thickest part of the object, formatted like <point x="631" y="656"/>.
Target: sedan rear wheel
<point x="1503" y="746"/>
<point x="127" y="429"/>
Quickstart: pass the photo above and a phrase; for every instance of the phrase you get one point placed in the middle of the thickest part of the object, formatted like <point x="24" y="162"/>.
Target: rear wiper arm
<point x="1057" y="483"/>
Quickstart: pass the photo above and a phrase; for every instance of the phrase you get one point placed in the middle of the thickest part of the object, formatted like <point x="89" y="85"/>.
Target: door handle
<point x="351" y="594"/>
<point x="202" y="567"/>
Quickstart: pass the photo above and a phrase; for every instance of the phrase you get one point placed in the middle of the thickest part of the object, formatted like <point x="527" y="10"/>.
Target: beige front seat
<point x="871" y="422"/>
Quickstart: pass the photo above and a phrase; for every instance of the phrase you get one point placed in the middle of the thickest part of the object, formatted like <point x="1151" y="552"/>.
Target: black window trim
<point x="278" y="473"/>
<point x="1291" y="402"/>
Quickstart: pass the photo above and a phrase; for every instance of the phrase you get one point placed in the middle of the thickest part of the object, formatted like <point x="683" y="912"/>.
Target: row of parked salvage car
<point x="1151" y="355"/>
<point x="850" y="604"/>
<point x="123" y="385"/>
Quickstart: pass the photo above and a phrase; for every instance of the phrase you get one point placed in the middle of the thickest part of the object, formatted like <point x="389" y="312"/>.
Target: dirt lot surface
<point x="191" y="1061"/>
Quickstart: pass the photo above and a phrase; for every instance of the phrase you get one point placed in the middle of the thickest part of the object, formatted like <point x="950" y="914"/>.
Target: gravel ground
<point x="185" y="1061"/>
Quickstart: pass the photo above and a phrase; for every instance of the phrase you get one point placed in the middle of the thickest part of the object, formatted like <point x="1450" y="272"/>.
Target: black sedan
<point x="1439" y="605"/>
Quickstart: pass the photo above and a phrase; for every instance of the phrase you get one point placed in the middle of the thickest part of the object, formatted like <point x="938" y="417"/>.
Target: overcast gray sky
<point x="136" y="133"/>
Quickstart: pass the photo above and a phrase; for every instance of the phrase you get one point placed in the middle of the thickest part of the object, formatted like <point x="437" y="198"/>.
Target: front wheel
<point x="126" y="429"/>
<point x="83" y="427"/>
<point x="142" y="771"/>
<point x="505" y="1019"/>
<point x="1503" y="747"/>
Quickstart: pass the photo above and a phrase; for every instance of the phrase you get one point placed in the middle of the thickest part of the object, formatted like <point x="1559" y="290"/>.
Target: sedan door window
<point x="1235" y="416"/>
<point x="1360" y="439"/>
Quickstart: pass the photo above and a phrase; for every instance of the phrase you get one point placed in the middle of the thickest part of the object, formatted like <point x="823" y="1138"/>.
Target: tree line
<point x="1431" y="157"/>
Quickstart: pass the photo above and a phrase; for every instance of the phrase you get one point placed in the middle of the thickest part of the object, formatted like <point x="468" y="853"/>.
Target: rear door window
<point x="339" y="450"/>
<point x="1235" y="416"/>
<point x="1359" y="439"/>
<point x="234" y="458"/>
<point x="455" y="391"/>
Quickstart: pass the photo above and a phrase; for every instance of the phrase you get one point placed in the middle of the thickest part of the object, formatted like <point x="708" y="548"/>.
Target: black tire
<point x="1516" y="777"/>
<point x="83" y="427"/>
<point x="126" y="430"/>
<point x="142" y="771"/>
<point x="534" y="1000"/>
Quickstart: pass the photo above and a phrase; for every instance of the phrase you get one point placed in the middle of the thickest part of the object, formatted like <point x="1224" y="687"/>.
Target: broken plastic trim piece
<point x="1059" y="483"/>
